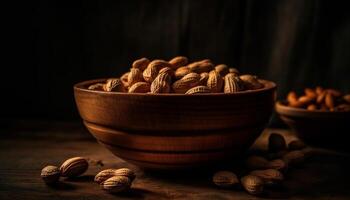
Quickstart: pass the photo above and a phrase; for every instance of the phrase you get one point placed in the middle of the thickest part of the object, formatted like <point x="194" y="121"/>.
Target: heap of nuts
<point x="179" y="76"/>
<point x="115" y="180"/>
<point x="111" y="180"/>
<point x="320" y="99"/>
<point x="268" y="169"/>
<point x="70" y="168"/>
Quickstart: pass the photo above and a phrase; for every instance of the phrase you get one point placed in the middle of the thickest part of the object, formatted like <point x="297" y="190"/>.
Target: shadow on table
<point x="84" y="178"/>
<point x="140" y="193"/>
<point x="319" y="176"/>
<point x="63" y="186"/>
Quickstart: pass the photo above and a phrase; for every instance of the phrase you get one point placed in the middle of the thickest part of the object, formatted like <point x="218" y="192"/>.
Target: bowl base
<point x="183" y="150"/>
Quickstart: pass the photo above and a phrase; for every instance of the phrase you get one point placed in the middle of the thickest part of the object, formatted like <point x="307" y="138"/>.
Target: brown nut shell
<point x="141" y="63"/>
<point x="74" y="167"/>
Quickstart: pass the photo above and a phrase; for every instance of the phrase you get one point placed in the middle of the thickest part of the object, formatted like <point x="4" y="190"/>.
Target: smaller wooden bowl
<point x="319" y="128"/>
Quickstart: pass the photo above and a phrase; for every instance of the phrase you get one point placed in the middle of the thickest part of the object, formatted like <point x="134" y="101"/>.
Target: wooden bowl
<point x="319" y="128"/>
<point x="173" y="131"/>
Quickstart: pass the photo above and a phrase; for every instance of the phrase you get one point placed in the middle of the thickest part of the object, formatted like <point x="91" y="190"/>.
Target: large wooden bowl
<point x="172" y="131"/>
<point x="319" y="128"/>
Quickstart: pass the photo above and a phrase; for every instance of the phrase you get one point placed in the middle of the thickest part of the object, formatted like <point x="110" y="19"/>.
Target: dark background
<point x="55" y="44"/>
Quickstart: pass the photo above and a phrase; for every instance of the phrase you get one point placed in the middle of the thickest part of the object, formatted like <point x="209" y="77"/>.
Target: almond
<point x="222" y="69"/>
<point x="134" y="76"/>
<point x="140" y="87"/>
<point x="335" y="93"/>
<point x="201" y="66"/>
<point x="50" y="174"/>
<point x="116" y="184"/>
<point x="159" y="64"/>
<point x="186" y="83"/>
<point x="181" y="72"/>
<point x="270" y="176"/>
<point x="114" y="85"/>
<point x="225" y="179"/>
<point x="305" y="100"/>
<point x="310" y="93"/>
<point x="124" y="79"/>
<point x="329" y="101"/>
<point x="311" y="107"/>
<point x="233" y="70"/>
<point x="215" y="82"/>
<point x="292" y="97"/>
<point x="178" y="61"/>
<point x="203" y="78"/>
<point x="97" y="86"/>
<point x="125" y="172"/>
<point x="167" y="70"/>
<point x="198" y="90"/>
<point x="150" y="73"/>
<point x="347" y="98"/>
<point x="251" y="82"/>
<point x="232" y="83"/>
<point x="161" y="84"/>
<point x="74" y="167"/>
<point x="321" y="97"/>
<point x="318" y="90"/>
<point x="103" y="175"/>
<point x="141" y="63"/>
<point x="253" y="184"/>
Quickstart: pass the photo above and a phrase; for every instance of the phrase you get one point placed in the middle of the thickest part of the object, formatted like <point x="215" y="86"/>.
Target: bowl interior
<point x="83" y="86"/>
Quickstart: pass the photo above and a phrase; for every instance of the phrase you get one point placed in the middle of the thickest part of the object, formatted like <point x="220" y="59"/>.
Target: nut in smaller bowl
<point x="317" y="127"/>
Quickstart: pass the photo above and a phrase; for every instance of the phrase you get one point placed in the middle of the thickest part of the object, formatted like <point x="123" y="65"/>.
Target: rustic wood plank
<point x="322" y="177"/>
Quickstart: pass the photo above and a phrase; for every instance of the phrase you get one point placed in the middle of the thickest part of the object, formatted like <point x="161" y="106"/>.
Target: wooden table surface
<point x="25" y="150"/>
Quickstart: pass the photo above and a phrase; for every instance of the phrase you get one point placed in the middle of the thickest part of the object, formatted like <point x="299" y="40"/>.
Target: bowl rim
<point x="283" y="109"/>
<point x="81" y="86"/>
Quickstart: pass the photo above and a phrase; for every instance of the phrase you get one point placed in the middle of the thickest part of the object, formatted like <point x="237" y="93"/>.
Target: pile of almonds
<point x="268" y="169"/>
<point x="320" y="99"/>
<point x="115" y="180"/>
<point x="70" y="168"/>
<point x="263" y="170"/>
<point x="111" y="180"/>
<point x="179" y="76"/>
